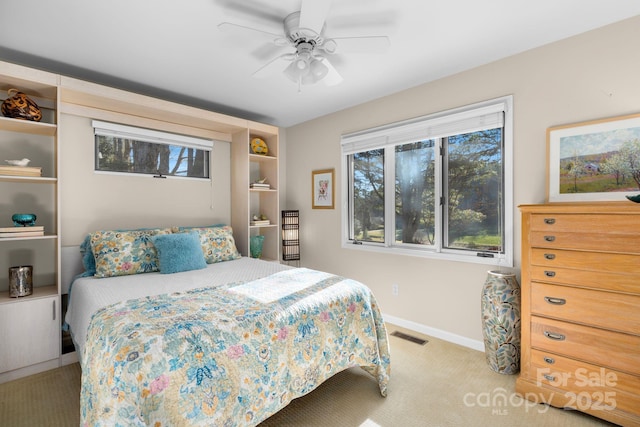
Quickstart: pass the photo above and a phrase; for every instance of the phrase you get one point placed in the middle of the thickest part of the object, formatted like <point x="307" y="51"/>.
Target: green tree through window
<point x="127" y="149"/>
<point x="443" y="195"/>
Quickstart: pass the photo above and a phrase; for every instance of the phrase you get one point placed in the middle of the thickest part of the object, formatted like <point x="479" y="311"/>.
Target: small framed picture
<point x="595" y="160"/>
<point x="322" y="189"/>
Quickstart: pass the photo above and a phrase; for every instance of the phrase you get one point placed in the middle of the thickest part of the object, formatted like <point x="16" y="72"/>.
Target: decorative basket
<point x="20" y="106"/>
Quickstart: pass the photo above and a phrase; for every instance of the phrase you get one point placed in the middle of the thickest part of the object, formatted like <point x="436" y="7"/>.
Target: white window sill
<point x="496" y="260"/>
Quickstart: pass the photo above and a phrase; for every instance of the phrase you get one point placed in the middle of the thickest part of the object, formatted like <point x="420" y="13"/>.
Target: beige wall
<point x="593" y="75"/>
<point x="93" y="201"/>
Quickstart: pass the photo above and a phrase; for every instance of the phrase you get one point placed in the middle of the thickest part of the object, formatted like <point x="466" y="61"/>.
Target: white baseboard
<point x="29" y="370"/>
<point x="436" y="333"/>
<point x="68" y="358"/>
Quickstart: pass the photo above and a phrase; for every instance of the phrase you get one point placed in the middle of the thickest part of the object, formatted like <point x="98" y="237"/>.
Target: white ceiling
<point x="173" y="49"/>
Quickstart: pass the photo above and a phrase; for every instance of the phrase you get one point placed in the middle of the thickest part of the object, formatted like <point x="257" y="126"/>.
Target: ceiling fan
<point x="308" y="62"/>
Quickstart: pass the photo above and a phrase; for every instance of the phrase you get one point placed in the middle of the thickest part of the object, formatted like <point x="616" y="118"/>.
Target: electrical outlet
<point x="394" y="289"/>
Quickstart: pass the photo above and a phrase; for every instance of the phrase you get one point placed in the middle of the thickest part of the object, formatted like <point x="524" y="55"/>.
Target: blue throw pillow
<point x="179" y="252"/>
<point x="88" y="259"/>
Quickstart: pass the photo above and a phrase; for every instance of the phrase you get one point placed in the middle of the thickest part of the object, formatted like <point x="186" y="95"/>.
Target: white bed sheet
<point x="89" y="294"/>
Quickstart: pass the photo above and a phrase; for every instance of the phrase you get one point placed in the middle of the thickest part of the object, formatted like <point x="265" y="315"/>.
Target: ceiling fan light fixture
<point x="294" y="73"/>
<point x="313" y="72"/>
<point x="308" y="80"/>
<point x="318" y="70"/>
<point x="303" y="61"/>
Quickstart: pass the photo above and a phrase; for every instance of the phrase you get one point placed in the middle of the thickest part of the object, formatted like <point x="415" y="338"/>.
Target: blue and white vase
<point x="501" y="322"/>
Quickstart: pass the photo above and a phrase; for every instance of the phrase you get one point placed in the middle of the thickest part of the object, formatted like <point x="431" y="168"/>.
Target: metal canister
<point x="20" y="281"/>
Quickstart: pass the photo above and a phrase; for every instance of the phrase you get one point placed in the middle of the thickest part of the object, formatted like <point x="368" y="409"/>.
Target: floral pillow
<point x="120" y="253"/>
<point x="217" y="242"/>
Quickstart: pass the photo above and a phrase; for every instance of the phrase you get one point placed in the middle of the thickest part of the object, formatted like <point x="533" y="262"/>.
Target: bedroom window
<point x="127" y="149"/>
<point x="437" y="186"/>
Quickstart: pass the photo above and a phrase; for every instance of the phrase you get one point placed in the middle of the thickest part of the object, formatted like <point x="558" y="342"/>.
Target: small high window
<point x="127" y="149"/>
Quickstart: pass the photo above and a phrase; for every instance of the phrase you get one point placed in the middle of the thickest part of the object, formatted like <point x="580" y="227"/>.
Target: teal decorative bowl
<point x="24" y="220"/>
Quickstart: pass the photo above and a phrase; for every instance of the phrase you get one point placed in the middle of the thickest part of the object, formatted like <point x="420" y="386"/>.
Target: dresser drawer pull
<point x="555" y="301"/>
<point x="550" y="256"/>
<point x="549" y="377"/>
<point x="549" y="273"/>
<point x="549" y="238"/>
<point x="554" y="336"/>
<point x="550" y="360"/>
<point x="549" y="221"/>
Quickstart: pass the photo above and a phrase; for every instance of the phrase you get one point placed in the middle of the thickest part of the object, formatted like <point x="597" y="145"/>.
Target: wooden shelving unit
<point x="246" y="202"/>
<point x="30" y="325"/>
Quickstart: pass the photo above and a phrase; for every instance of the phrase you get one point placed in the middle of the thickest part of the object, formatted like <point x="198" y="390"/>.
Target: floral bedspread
<point x="230" y="355"/>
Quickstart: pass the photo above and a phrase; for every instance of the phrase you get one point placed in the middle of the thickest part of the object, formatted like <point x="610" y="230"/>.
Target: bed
<point x="227" y="343"/>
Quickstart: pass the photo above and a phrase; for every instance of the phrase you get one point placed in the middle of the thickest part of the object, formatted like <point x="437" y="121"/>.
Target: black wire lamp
<point x="290" y="238"/>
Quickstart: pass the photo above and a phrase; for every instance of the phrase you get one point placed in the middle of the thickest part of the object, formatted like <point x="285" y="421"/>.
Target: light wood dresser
<point x="581" y="308"/>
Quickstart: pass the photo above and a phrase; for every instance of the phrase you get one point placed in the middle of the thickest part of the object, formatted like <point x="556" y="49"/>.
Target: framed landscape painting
<point x="595" y="160"/>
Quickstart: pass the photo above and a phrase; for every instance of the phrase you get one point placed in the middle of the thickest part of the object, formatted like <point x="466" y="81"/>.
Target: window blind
<point x="489" y="115"/>
<point x="148" y="135"/>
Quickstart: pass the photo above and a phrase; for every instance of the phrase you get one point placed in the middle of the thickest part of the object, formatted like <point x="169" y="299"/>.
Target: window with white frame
<point x="436" y="186"/>
<point x="128" y="149"/>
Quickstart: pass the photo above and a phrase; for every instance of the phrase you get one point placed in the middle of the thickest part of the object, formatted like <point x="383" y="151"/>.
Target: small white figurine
<point x="23" y="162"/>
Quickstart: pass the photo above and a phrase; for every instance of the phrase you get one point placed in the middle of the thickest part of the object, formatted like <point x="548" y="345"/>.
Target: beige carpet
<point x="50" y="398"/>
<point x="436" y="384"/>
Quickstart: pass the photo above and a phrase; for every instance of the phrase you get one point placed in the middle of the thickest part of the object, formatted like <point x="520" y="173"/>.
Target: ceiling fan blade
<point x="313" y="13"/>
<point x="277" y="64"/>
<point x="364" y="21"/>
<point x="369" y="44"/>
<point x="241" y="30"/>
<point x="254" y="9"/>
<point x="333" y="77"/>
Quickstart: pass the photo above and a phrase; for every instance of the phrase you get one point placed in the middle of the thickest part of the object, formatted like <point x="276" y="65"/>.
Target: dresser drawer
<point x="601" y="347"/>
<point x="591" y="261"/>
<point x="587" y="279"/>
<point x="588" y="241"/>
<point x="586" y="384"/>
<point x="586" y="223"/>
<point x="608" y="310"/>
